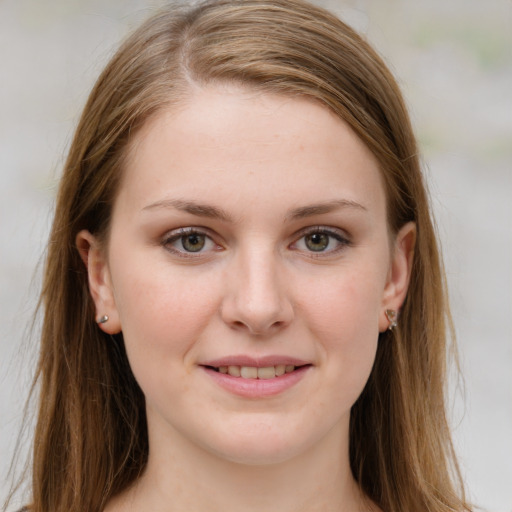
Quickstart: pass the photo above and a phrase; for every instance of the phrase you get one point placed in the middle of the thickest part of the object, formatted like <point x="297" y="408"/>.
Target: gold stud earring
<point x="391" y="315"/>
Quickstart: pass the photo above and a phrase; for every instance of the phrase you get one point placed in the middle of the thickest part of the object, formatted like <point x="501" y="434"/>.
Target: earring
<point x="103" y="319"/>
<point x="391" y="315"/>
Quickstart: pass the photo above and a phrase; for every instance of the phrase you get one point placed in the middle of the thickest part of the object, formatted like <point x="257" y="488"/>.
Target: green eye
<point x="317" y="242"/>
<point x="189" y="242"/>
<point x="193" y="242"/>
<point x="322" y="241"/>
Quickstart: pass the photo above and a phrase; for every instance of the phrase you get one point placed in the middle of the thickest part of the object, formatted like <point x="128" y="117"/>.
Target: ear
<point x="399" y="273"/>
<point x="100" y="283"/>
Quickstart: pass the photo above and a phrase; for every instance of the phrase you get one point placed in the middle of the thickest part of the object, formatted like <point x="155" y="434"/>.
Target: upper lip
<point x="258" y="361"/>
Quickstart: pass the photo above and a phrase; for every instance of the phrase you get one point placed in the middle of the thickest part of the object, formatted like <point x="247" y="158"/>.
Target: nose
<point x="257" y="299"/>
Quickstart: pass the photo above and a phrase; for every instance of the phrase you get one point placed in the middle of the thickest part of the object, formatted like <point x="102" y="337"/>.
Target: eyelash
<point x="340" y="238"/>
<point x="180" y="235"/>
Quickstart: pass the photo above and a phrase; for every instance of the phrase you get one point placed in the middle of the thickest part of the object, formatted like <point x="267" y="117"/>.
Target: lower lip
<point x="257" y="388"/>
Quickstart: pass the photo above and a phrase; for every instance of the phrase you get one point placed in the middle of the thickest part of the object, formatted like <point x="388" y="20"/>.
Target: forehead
<point x="226" y="140"/>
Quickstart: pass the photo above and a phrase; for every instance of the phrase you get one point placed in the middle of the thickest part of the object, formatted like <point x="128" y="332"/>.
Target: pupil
<point x="193" y="243"/>
<point x="317" y="241"/>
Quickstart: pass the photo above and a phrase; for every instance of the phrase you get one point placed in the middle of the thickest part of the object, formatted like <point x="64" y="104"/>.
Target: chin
<point x="261" y="444"/>
<point x="255" y="454"/>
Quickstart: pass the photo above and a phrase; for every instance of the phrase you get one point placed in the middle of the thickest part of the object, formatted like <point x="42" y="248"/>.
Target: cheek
<point x="163" y="310"/>
<point x="343" y="318"/>
<point x="346" y="306"/>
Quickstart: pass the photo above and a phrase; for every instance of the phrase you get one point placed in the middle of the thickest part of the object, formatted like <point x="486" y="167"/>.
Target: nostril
<point x="257" y="329"/>
<point x="258" y="317"/>
<point x="238" y="324"/>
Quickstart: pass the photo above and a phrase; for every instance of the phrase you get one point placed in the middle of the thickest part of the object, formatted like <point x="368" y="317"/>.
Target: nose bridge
<point x="258" y="300"/>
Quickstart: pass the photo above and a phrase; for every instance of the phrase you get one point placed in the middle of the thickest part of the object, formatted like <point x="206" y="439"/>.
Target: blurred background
<point x="453" y="60"/>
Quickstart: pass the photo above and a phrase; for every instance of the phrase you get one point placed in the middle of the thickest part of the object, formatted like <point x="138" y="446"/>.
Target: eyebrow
<point x="198" y="209"/>
<point x="320" y="208"/>
<point x="213" y="212"/>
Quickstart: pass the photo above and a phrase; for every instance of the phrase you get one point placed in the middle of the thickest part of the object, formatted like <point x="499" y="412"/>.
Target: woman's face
<point x="249" y="236"/>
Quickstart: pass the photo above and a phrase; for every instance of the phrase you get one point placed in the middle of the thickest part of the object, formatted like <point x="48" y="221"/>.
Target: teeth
<point x="266" y="373"/>
<point x="234" y="371"/>
<point x="249" y="372"/>
<point x="252" y="372"/>
<point x="280" y="369"/>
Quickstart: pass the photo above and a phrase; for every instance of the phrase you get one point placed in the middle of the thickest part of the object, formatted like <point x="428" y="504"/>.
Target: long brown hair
<point x="91" y="438"/>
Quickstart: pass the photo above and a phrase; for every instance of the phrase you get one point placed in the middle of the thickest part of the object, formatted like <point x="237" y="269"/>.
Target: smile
<point x="253" y="372"/>
<point x="251" y="379"/>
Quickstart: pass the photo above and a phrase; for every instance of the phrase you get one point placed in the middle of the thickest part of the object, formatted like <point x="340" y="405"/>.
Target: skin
<point x="256" y="164"/>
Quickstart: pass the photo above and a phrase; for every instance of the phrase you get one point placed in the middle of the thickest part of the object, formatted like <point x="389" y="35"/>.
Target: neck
<point x="185" y="477"/>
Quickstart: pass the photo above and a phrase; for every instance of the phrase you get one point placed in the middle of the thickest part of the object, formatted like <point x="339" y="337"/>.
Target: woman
<point x="244" y="305"/>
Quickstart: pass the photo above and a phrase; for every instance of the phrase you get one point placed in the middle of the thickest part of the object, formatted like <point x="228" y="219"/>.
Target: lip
<point x="256" y="388"/>
<point x="258" y="362"/>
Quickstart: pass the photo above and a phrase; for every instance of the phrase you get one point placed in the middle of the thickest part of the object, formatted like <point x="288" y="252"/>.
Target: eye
<point x="189" y="241"/>
<point x="321" y="240"/>
<point x="317" y="241"/>
<point x="193" y="242"/>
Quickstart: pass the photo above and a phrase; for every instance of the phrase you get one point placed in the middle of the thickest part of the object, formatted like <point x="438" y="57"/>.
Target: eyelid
<point x="175" y="234"/>
<point x="341" y="236"/>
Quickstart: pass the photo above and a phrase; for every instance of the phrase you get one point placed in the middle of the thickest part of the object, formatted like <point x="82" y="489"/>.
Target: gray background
<point x="453" y="59"/>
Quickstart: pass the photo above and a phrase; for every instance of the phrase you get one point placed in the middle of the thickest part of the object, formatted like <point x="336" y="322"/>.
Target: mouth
<point x="255" y="372"/>
<point x="252" y="378"/>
